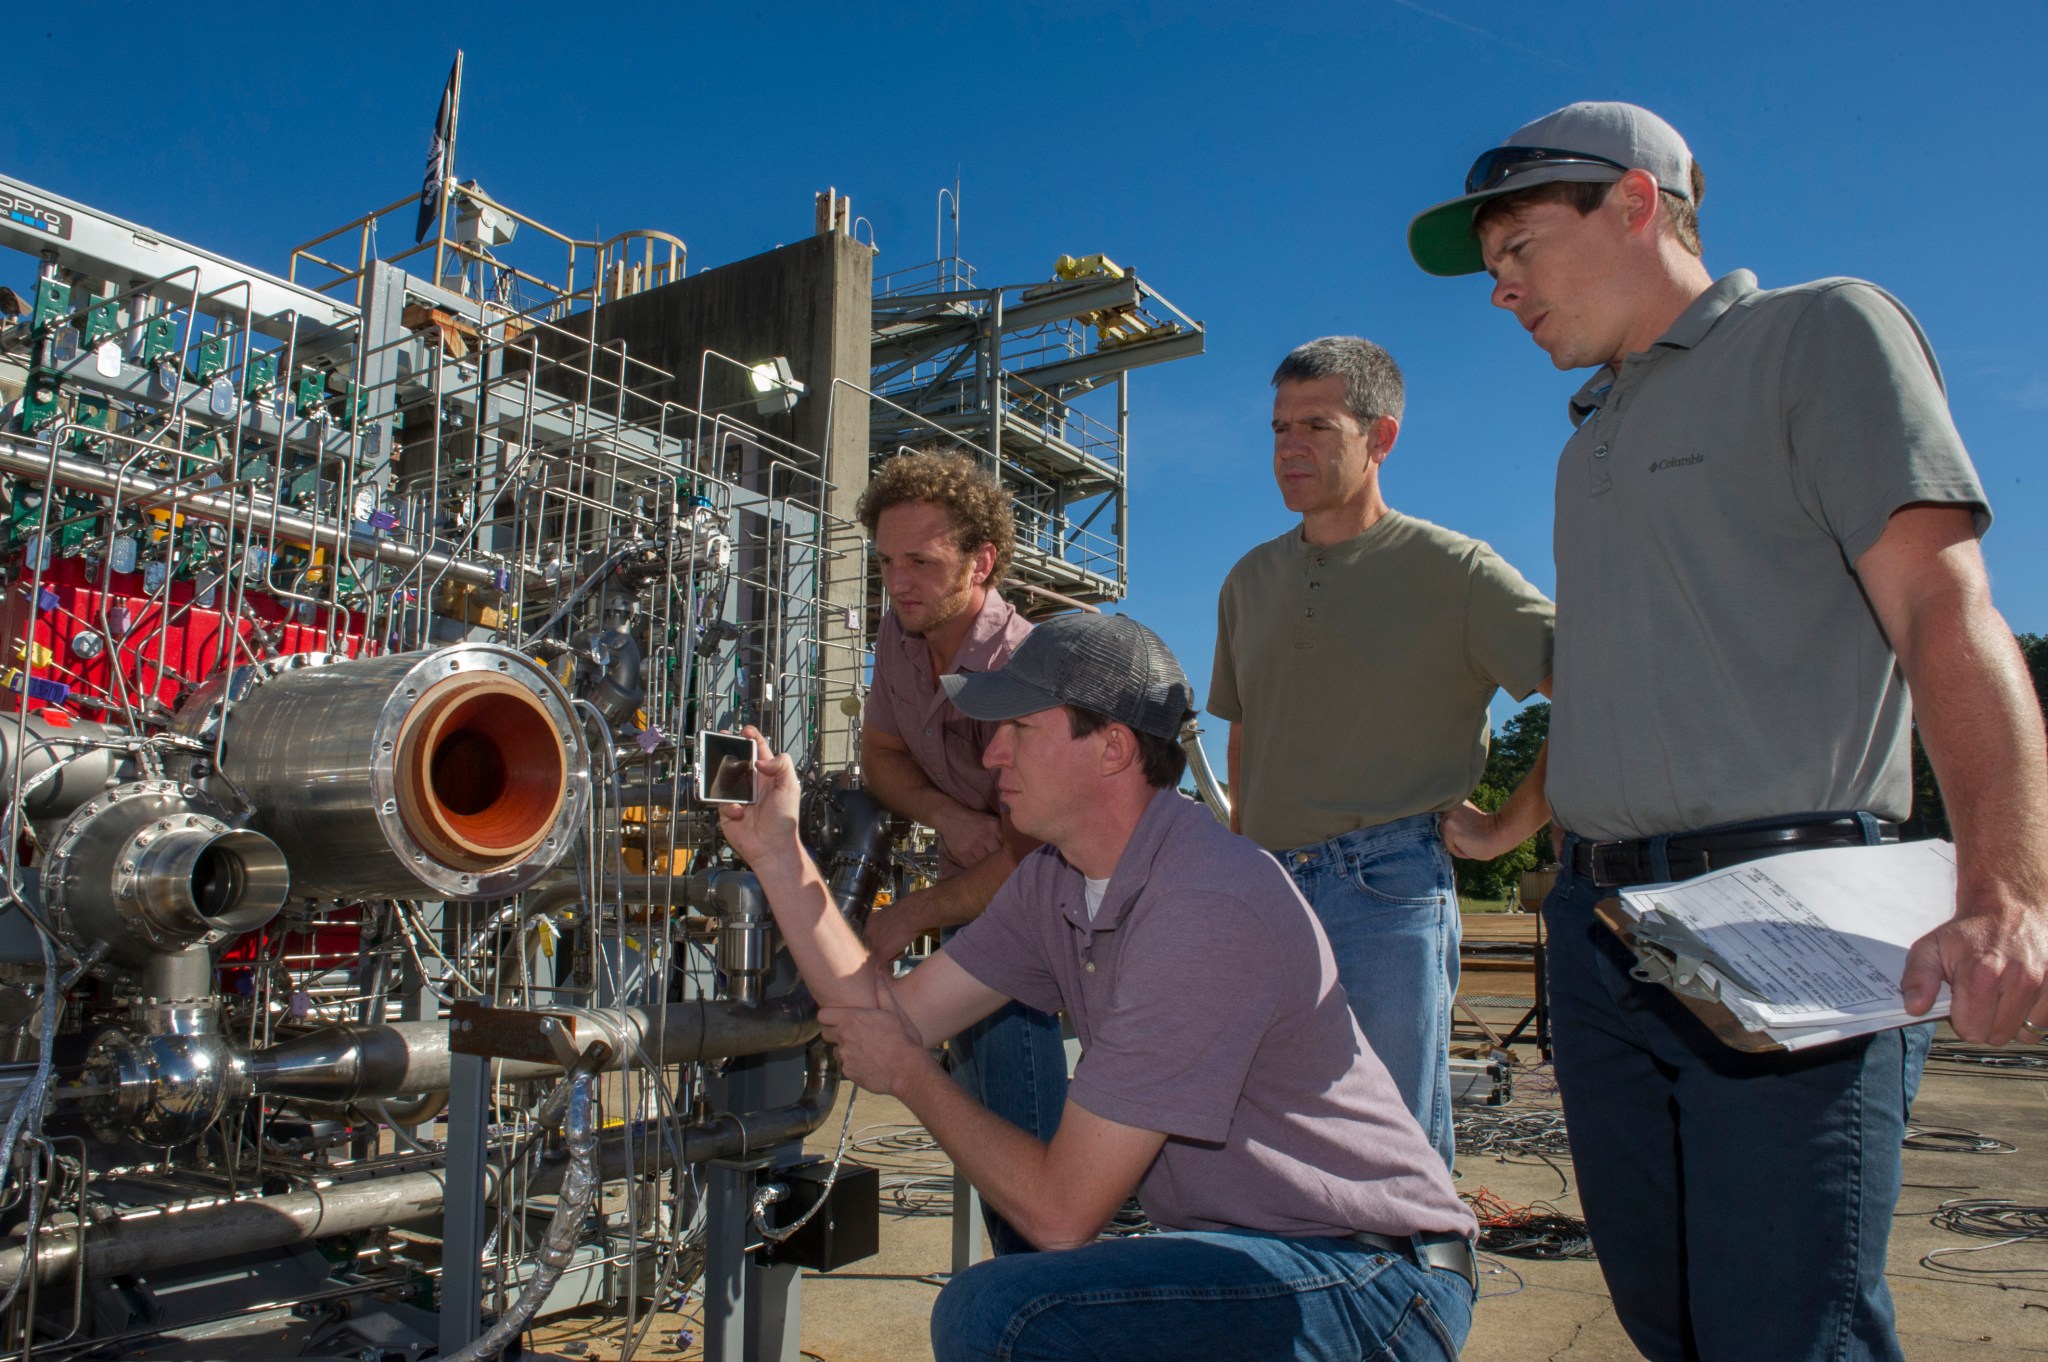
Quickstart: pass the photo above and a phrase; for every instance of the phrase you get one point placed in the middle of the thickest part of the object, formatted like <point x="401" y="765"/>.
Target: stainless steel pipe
<point x="362" y="1063"/>
<point x="196" y="1232"/>
<point x="61" y="763"/>
<point x="1206" y="780"/>
<point x="727" y="1135"/>
<point x="355" y="1063"/>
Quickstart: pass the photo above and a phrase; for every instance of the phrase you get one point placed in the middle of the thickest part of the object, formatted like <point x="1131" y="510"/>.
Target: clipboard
<point x="1792" y="951"/>
<point x="1659" y="966"/>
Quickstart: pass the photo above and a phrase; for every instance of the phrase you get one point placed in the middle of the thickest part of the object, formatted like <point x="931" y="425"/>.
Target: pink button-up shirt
<point x="1208" y="1007"/>
<point x="907" y="703"/>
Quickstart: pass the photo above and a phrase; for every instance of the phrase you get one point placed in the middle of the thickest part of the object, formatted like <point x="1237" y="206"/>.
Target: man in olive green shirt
<point x="1356" y="656"/>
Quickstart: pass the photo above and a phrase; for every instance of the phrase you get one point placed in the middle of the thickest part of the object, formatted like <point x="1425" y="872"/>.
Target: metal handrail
<point x="608" y="265"/>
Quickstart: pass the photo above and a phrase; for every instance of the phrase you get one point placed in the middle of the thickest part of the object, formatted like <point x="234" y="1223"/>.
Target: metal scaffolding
<point x="1035" y="379"/>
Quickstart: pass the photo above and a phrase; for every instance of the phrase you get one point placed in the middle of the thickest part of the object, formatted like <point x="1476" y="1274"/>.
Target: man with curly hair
<point x="942" y="532"/>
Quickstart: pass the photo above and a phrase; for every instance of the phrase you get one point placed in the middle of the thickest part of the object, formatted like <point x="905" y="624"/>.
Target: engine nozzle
<point x="144" y="869"/>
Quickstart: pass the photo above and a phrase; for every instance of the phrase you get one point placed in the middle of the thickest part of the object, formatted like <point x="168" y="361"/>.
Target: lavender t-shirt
<point x="1208" y="1007"/>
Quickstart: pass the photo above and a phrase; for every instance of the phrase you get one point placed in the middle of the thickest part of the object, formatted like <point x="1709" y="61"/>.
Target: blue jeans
<point x="1014" y="1062"/>
<point x="1740" y="1203"/>
<point x="1390" y="908"/>
<point x="1203" y="1297"/>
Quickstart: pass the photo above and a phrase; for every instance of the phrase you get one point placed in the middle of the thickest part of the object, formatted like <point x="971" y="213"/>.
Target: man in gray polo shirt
<point x="1767" y="563"/>
<point x="1356" y="656"/>
<point x="1222" y="1075"/>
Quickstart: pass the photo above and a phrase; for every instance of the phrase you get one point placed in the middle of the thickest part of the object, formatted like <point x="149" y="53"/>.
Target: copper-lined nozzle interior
<point x="480" y="772"/>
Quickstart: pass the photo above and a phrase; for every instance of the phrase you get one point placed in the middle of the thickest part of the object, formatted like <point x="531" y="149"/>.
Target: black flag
<point x="437" y="154"/>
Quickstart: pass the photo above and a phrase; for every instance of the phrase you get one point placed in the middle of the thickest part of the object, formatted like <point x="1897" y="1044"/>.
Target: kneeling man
<point x="1221" y="1076"/>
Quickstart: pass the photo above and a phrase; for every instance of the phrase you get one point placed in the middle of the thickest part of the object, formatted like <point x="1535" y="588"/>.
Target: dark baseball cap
<point x="1589" y="142"/>
<point x="1110" y="664"/>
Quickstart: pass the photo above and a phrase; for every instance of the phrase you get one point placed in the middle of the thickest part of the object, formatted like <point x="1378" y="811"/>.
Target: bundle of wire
<point x="1505" y="1131"/>
<point x="1987" y="1056"/>
<point x="914" y="1170"/>
<point x="1537" y="1080"/>
<point x="1955" y="1140"/>
<point x="1537" y="1230"/>
<point x="1130" y="1219"/>
<point x="1999" y="1219"/>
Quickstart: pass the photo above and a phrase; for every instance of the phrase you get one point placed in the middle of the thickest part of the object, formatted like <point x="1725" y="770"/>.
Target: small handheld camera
<point x="725" y="768"/>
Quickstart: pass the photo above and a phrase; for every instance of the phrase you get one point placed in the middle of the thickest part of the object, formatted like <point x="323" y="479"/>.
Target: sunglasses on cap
<point x="1495" y="165"/>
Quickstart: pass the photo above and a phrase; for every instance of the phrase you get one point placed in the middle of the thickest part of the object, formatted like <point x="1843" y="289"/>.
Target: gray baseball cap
<point x="1107" y="663"/>
<point x="1587" y="142"/>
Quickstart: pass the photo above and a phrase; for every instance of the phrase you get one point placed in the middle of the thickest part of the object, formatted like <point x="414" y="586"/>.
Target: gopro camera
<point x="725" y="768"/>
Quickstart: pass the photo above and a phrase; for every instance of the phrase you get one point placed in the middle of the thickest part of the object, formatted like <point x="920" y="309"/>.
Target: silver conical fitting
<point x="144" y="870"/>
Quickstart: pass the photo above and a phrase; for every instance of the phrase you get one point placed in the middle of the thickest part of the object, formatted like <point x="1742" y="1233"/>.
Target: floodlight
<point x="776" y="388"/>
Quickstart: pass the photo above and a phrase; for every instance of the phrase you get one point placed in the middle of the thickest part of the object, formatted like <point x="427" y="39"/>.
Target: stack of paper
<point x="1806" y="947"/>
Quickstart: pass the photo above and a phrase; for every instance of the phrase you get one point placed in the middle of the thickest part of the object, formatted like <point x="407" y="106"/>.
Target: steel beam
<point x="899" y="336"/>
<point x="462" y="1230"/>
<point x="1085" y="371"/>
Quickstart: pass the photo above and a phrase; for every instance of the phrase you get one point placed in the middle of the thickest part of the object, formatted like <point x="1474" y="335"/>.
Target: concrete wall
<point x="808" y="302"/>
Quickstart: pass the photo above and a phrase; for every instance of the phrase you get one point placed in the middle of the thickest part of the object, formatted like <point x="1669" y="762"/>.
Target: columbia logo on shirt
<point x="1660" y="465"/>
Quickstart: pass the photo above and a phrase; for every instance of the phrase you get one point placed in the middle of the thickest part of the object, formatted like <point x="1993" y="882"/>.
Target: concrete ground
<point x="876" y="1310"/>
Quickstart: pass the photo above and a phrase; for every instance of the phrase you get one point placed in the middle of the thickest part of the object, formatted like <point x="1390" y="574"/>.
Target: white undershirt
<point x="1096" y="889"/>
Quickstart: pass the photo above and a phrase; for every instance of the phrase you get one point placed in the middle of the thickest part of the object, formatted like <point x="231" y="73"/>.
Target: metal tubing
<point x="61" y="768"/>
<point x="1206" y="780"/>
<point x="143" y="870"/>
<point x="559" y="889"/>
<point x="182" y="976"/>
<point x="356" y="1063"/>
<point x="191" y="1232"/>
<point x="196" y="1232"/>
<point x="744" y="952"/>
<point x="728" y="1135"/>
<point x="362" y="1063"/>
<point x="222" y="508"/>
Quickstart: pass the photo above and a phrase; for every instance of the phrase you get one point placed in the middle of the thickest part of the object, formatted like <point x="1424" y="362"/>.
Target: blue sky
<point x="1257" y="165"/>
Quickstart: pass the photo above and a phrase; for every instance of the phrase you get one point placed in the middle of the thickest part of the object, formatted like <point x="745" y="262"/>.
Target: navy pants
<point x="1740" y="1204"/>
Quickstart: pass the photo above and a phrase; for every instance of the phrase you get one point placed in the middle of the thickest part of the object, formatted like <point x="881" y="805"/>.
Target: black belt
<point x="1446" y="1252"/>
<point x="1614" y="865"/>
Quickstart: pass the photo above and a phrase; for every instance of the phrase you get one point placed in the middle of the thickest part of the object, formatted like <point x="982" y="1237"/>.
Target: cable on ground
<point x="915" y="1174"/>
<point x="1988" y="1056"/>
<point x="1537" y="1230"/>
<point x="1954" y="1140"/>
<point x="1489" y="1266"/>
<point x="1507" y="1131"/>
<point x="1999" y="1219"/>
